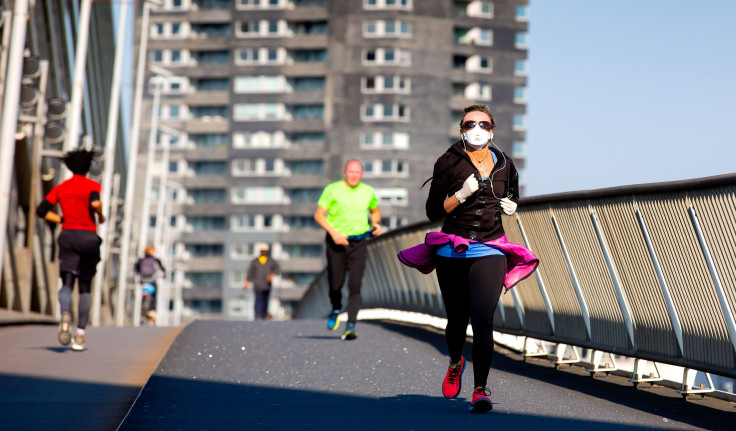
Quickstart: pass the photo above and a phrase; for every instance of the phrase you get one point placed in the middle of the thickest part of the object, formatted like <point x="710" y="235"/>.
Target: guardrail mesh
<point x="646" y="271"/>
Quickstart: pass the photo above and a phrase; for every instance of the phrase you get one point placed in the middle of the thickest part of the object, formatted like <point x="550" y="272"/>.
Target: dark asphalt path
<point x="220" y="375"/>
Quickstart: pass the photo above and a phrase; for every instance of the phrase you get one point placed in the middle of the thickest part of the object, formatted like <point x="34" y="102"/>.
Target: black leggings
<point x="85" y="297"/>
<point x="470" y="291"/>
<point x="341" y="261"/>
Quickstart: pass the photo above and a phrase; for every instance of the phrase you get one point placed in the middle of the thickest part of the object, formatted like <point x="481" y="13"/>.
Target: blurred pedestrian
<point x="343" y="211"/>
<point x="149" y="269"/>
<point x="79" y="244"/>
<point x="261" y="272"/>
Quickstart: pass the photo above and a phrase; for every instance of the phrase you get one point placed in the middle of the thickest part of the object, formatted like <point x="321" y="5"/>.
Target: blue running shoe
<point x="350" y="333"/>
<point x="333" y="321"/>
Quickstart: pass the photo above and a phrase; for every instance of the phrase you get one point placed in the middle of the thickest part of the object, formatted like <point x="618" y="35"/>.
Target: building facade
<point x="265" y="100"/>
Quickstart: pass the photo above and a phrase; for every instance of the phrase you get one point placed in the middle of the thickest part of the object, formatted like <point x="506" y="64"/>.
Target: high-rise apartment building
<point x="268" y="99"/>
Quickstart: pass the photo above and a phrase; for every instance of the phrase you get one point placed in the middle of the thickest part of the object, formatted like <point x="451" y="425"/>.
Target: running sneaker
<point x="481" y="401"/>
<point x="65" y="337"/>
<point x="333" y="321"/>
<point x="350" y="333"/>
<point x="78" y="342"/>
<point x="453" y="379"/>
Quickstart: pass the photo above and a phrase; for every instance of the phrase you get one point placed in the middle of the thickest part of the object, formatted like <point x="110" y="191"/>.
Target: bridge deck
<point x="221" y="375"/>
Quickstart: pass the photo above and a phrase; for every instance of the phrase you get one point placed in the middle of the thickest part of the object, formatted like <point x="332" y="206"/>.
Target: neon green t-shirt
<point x="347" y="208"/>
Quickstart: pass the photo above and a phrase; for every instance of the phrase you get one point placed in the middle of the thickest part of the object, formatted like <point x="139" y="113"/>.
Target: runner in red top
<point x="79" y="245"/>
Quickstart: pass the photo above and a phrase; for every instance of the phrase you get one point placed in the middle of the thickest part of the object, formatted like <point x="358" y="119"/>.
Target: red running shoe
<point x="481" y="401"/>
<point x="453" y="379"/>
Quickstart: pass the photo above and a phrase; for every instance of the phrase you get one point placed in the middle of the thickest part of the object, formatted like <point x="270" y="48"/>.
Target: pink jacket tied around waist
<point x="520" y="261"/>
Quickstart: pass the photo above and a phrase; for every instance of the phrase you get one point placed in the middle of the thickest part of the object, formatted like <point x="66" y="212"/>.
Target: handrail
<point x="646" y="271"/>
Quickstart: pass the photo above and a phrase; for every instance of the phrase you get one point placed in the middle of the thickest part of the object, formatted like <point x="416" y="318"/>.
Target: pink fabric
<point x="520" y="261"/>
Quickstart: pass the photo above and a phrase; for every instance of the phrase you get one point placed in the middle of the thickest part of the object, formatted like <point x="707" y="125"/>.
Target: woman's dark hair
<point x="78" y="161"/>
<point x="482" y="108"/>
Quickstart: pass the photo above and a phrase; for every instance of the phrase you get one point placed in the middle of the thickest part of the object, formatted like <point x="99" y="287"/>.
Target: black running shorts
<point x="79" y="252"/>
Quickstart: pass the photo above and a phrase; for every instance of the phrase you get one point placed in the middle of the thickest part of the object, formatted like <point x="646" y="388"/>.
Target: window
<point x="206" y="195"/>
<point x="519" y="95"/>
<point x="302" y="250"/>
<point x="204" y="250"/>
<point x="260" y="4"/>
<point x="386" y="28"/>
<point x="212" y="57"/>
<point x="387" y="4"/>
<point x="302" y="222"/>
<point x="157" y="30"/>
<point x="309" y="27"/>
<point x="206" y="31"/>
<point x="259" y="139"/>
<point x="208" y="168"/>
<point x="521" y="41"/>
<point x="304" y="195"/>
<point x="262" y="28"/>
<point x="176" y="56"/>
<point x="520" y="67"/>
<point x="307" y="83"/>
<point x="384" y="140"/>
<point x="305" y="167"/>
<point x="207" y="113"/>
<point x="386" y="168"/>
<point x="384" y="112"/>
<point x="393" y="196"/>
<point x="387" y="56"/>
<point x="522" y="13"/>
<point x="158" y="56"/>
<point x="258" y="111"/>
<point x="242" y="250"/>
<point x="205" y="279"/>
<point x="475" y="35"/>
<point x="479" y="9"/>
<point x="247" y="167"/>
<point x="309" y="55"/>
<point x="475" y="63"/>
<point x="386" y="84"/>
<point x="209" y="140"/>
<point x="519" y="122"/>
<point x="207" y="223"/>
<point x="307" y="139"/>
<point x="308" y="112"/>
<point x="253" y="222"/>
<point x="212" y="84"/>
<point x="517" y="148"/>
<point x="243" y="222"/>
<point x="256" y="195"/>
<point x="260" y="84"/>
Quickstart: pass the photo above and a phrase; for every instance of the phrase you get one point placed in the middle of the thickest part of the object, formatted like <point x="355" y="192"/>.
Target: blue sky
<point x="627" y="92"/>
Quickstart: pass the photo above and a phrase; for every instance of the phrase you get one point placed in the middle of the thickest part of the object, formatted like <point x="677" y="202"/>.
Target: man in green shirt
<point x="343" y="212"/>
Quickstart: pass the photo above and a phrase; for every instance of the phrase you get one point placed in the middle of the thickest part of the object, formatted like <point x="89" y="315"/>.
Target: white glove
<point x="470" y="186"/>
<point x="508" y="206"/>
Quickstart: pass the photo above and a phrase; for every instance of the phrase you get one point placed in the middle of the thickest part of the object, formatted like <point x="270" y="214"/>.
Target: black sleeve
<point x="43" y="208"/>
<point x="160" y="265"/>
<point x="438" y="192"/>
<point x="94" y="196"/>
<point x="512" y="185"/>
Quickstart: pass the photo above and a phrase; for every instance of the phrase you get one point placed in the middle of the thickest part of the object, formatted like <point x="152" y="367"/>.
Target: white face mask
<point x="477" y="137"/>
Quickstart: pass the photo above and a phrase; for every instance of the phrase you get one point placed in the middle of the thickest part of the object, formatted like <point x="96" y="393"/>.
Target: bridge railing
<point x="646" y="271"/>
